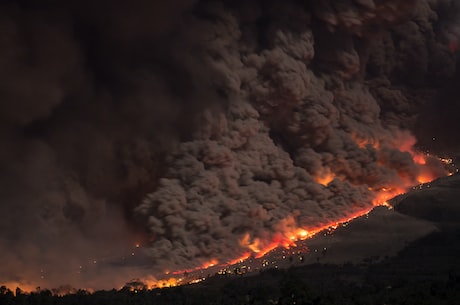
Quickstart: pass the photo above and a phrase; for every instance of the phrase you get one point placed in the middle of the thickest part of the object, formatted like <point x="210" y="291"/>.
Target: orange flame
<point x="153" y="283"/>
<point x="209" y="264"/>
<point x="240" y="259"/>
<point x="205" y="265"/>
<point x="418" y="158"/>
<point x="253" y="246"/>
<point x="425" y="177"/>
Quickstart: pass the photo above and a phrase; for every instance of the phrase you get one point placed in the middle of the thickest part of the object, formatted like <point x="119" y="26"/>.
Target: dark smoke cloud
<point x="437" y="126"/>
<point x="87" y="112"/>
<point x="189" y="124"/>
<point x="306" y="84"/>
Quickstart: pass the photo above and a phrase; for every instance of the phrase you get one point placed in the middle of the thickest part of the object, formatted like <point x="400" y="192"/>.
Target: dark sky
<point x="185" y="125"/>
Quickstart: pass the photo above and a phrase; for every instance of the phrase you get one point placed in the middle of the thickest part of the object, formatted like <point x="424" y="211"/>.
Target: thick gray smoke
<point x="322" y="87"/>
<point x="189" y="125"/>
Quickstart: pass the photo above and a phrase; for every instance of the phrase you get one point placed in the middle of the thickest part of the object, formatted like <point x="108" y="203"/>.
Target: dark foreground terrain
<point x="426" y="271"/>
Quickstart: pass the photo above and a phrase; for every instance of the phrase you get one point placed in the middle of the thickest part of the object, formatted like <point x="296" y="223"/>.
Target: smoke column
<point x="187" y="126"/>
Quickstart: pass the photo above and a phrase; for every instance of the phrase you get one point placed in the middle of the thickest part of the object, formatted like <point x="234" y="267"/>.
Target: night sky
<point x="181" y="132"/>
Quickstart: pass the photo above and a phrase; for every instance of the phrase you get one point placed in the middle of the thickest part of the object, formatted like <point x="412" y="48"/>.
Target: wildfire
<point x="205" y="265"/>
<point x="240" y="259"/>
<point x="209" y="264"/>
<point x="289" y="232"/>
<point x="289" y="238"/>
<point x="171" y="282"/>
<point x="418" y="158"/>
<point x="429" y="167"/>
<point x="152" y="283"/>
<point x="425" y="178"/>
<point x="253" y="246"/>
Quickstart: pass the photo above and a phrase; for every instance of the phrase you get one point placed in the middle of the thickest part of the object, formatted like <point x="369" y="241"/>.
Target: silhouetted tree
<point x="294" y="291"/>
<point x="6" y="296"/>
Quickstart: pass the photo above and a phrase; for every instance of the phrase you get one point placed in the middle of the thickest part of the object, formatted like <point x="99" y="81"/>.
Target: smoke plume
<point x="187" y="126"/>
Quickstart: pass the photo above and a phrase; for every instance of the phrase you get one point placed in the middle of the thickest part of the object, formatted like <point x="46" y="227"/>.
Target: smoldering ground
<point x="190" y="124"/>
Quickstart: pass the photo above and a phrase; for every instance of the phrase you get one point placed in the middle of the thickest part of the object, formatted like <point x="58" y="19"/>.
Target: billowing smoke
<point x="92" y="97"/>
<point x="314" y="90"/>
<point x="187" y="126"/>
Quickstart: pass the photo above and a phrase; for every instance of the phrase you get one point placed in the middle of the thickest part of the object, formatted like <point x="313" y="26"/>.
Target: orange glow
<point x="211" y="263"/>
<point x="153" y="283"/>
<point x="25" y="287"/>
<point x="325" y="177"/>
<point x="267" y="249"/>
<point x="302" y="234"/>
<point x="419" y="158"/>
<point x="205" y="265"/>
<point x="424" y="178"/>
<point x="240" y="259"/>
<point x="363" y="142"/>
<point x="384" y="195"/>
<point x="253" y="246"/>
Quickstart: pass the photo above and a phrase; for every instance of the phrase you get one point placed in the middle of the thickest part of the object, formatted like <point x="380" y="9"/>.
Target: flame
<point x="425" y="178"/>
<point x="240" y="259"/>
<point x="253" y="246"/>
<point x="418" y="158"/>
<point x="209" y="264"/>
<point x="153" y="283"/>
<point x="179" y="277"/>
<point x="205" y="265"/>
